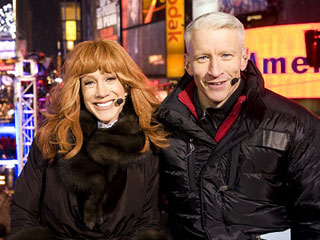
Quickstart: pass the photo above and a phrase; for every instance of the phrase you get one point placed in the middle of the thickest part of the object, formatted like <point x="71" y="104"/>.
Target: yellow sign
<point x="71" y="30"/>
<point x="280" y="54"/>
<point x="175" y="37"/>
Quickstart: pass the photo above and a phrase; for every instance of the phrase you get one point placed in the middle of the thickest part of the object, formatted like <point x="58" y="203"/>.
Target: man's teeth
<point x="104" y="104"/>
<point x="218" y="83"/>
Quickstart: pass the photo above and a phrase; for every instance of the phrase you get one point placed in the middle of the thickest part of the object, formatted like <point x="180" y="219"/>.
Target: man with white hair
<point x="243" y="161"/>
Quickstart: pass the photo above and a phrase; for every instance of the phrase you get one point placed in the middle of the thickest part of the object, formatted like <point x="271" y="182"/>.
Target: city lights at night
<point x="160" y="119"/>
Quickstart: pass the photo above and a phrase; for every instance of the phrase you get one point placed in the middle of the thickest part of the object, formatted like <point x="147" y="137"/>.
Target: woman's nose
<point x="101" y="91"/>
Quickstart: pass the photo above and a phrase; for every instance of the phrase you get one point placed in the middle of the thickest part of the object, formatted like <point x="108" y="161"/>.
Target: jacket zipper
<point x="190" y="161"/>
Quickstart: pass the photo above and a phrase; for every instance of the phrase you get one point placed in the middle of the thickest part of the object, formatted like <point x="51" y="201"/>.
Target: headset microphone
<point x="119" y="102"/>
<point x="234" y="81"/>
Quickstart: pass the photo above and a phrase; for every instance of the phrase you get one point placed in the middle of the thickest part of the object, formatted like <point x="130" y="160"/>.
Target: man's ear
<point x="187" y="65"/>
<point x="244" y="59"/>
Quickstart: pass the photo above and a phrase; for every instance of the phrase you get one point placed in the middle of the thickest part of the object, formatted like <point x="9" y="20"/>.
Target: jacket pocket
<point x="271" y="139"/>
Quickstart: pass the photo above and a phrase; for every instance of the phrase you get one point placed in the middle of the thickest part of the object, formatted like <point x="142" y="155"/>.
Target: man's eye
<point x="226" y="56"/>
<point x="202" y="59"/>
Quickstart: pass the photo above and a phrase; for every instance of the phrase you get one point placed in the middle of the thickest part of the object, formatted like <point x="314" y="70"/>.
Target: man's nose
<point x="214" y="68"/>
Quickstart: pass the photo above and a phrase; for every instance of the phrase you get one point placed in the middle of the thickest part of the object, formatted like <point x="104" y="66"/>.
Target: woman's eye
<point x="110" y="79"/>
<point x="88" y="83"/>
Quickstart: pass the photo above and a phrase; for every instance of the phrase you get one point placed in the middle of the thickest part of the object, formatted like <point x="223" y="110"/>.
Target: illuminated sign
<point x="175" y="41"/>
<point x="148" y="17"/>
<point x="71" y="30"/>
<point x="7" y="20"/>
<point x="7" y="49"/>
<point x="107" y="15"/>
<point x="156" y="59"/>
<point x="147" y="47"/>
<point x="6" y="67"/>
<point x="70" y="11"/>
<point x="108" y="33"/>
<point x="280" y="54"/>
<point x="131" y="13"/>
<point x="70" y="45"/>
<point x="153" y="10"/>
<point x="200" y="7"/>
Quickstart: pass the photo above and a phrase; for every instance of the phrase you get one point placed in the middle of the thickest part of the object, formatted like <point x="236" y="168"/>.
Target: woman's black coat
<point x="107" y="191"/>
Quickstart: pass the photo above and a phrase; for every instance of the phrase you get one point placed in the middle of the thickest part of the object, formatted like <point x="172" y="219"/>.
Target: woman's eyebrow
<point x="87" y="77"/>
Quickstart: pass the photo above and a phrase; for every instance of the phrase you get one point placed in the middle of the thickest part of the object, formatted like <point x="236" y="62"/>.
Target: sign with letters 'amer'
<point x="280" y="54"/>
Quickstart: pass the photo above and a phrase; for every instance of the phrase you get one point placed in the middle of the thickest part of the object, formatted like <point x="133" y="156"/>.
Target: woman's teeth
<point x="104" y="104"/>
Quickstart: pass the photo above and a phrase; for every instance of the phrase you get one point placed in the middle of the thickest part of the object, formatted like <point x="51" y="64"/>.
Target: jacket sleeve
<point x="305" y="189"/>
<point x="5" y="203"/>
<point x="25" y="202"/>
<point x="150" y="217"/>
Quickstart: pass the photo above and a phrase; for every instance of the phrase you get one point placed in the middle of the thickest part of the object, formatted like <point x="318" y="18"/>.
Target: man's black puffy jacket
<point x="260" y="174"/>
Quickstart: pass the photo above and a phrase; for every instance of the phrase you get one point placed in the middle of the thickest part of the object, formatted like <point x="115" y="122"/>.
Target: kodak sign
<point x="175" y="38"/>
<point x="280" y="54"/>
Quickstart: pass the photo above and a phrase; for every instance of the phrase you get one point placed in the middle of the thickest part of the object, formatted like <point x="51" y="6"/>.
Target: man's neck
<point x="227" y="103"/>
<point x="211" y="118"/>
<point x="217" y="105"/>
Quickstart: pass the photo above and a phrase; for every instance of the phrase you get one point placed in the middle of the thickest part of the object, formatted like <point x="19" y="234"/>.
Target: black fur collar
<point x="103" y="159"/>
<point x="117" y="146"/>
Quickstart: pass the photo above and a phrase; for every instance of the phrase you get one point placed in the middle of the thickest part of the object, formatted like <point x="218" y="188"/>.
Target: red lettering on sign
<point x="173" y="24"/>
<point x="172" y="35"/>
<point x="173" y="12"/>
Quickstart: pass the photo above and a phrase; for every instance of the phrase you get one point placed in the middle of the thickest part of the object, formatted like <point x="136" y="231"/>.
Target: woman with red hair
<point x="92" y="172"/>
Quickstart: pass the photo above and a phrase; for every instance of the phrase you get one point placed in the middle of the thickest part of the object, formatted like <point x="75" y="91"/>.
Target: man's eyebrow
<point x="200" y="54"/>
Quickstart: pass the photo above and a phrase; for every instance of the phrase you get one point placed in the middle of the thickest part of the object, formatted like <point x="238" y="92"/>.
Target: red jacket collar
<point x="187" y="98"/>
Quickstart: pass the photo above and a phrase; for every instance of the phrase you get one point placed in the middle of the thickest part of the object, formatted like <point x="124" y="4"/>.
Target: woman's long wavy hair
<point x="63" y="109"/>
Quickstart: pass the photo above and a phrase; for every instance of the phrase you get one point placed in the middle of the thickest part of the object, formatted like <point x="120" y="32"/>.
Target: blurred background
<point x="283" y="37"/>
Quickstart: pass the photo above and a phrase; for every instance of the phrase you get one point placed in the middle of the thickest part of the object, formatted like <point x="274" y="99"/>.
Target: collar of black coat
<point x="222" y="112"/>
<point x="212" y="118"/>
<point x="127" y="124"/>
<point x="124" y="135"/>
<point x="104" y="151"/>
<point x="187" y="98"/>
<point x="254" y="91"/>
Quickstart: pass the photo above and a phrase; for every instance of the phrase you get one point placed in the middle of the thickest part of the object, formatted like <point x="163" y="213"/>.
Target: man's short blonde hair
<point x="214" y="21"/>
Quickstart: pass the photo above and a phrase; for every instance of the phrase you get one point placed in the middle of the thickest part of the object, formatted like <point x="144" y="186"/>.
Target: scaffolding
<point x="25" y="108"/>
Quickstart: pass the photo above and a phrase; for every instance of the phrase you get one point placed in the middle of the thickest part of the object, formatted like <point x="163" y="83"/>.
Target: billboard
<point x="131" y="13"/>
<point x="146" y="46"/>
<point x="7" y="49"/>
<point x="175" y="38"/>
<point x="7" y="23"/>
<point x="153" y="10"/>
<point x="280" y="54"/>
<point x="6" y="98"/>
<point x="235" y="7"/>
<point x="108" y="19"/>
<point x="136" y="12"/>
